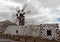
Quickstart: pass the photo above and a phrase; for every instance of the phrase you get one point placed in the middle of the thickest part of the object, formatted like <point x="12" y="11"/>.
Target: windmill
<point x="20" y="15"/>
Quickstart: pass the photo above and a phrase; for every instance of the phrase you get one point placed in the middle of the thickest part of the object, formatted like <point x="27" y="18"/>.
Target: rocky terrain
<point x="6" y="23"/>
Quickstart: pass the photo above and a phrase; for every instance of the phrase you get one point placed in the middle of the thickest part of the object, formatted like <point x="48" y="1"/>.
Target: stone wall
<point x="54" y="31"/>
<point x="35" y="31"/>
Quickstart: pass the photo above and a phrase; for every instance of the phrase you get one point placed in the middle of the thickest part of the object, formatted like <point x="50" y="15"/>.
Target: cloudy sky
<point x="42" y="11"/>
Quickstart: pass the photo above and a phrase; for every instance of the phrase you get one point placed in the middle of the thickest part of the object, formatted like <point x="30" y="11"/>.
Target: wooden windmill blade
<point x="18" y="11"/>
<point x="24" y="7"/>
<point x="17" y="8"/>
<point x="28" y="11"/>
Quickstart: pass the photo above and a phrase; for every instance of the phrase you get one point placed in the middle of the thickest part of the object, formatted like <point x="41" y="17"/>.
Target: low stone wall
<point x="26" y="38"/>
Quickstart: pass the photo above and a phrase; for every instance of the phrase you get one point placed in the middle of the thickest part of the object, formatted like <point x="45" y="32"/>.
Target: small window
<point x="16" y="31"/>
<point x="48" y="32"/>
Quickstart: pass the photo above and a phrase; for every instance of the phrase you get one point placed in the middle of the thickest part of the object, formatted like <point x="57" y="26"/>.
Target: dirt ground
<point x="36" y="40"/>
<point x="26" y="39"/>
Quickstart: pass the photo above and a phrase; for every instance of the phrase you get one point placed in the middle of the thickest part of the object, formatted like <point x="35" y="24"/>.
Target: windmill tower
<point x="20" y="15"/>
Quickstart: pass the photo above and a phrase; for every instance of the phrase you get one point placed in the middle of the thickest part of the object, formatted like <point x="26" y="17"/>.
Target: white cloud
<point x="7" y="8"/>
<point x="41" y="11"/>
<point x="2" y="19"/>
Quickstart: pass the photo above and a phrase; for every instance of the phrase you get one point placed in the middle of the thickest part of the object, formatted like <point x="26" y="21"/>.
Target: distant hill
<point x="6" y="23"/>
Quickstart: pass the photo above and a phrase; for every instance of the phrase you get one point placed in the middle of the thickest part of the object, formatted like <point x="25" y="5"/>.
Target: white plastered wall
<point x="23" y="30"/>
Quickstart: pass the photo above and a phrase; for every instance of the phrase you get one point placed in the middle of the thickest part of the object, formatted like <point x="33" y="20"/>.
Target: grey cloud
<point x="19" y="1"/>
<point x="50" y="3"/>
<point x="5" y="15"/>
<point x="33" y="17"/>
<point x="55" y="11"/>
<point x="46" y="3"/>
